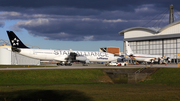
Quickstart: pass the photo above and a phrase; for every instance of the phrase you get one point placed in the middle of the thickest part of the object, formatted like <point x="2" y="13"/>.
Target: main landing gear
<point x="85" y="64"/>
<point x="64" y="64"/>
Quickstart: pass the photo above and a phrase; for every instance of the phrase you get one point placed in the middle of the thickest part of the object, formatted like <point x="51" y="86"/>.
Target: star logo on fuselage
<point x="15" y="42"/>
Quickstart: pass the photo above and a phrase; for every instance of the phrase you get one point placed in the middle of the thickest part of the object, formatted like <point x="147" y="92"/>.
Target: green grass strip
<point x="168" y="76"/>
<point x="49" y="76"/>
<point x="91" y="92"/>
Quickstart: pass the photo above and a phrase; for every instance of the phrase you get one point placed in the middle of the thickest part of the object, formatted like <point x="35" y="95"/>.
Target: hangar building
<point x="164" y="41"/>
<point x="156" y="41"/>
<point x="7" y="57"/>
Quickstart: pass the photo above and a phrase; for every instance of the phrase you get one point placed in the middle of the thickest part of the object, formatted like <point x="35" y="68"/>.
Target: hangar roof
<point x="152" y="30"/>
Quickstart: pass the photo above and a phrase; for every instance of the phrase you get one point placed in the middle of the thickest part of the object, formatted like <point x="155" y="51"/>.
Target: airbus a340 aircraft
<point x="146" y="57"/>
<point x="64" y="57"/>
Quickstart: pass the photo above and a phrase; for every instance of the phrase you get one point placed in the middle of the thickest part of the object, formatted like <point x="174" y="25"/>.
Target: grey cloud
<point x="79" y="20"/>
<point x="146" y="11"/>
<point x="84" y="4"/>
<point x="68" y="11"/>
<point x="104" y="26"/>
<point x="73" y="29"/>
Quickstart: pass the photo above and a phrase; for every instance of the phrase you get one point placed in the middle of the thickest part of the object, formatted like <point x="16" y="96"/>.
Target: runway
<point x="93" y="66"/>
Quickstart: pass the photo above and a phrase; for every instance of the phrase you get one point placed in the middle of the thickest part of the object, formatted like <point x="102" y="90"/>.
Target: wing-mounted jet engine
<point x="83" y="59"/>
<point x="74" y="57"/>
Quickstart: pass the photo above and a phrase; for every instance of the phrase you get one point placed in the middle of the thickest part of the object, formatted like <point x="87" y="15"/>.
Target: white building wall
<point x="171" y="30"/>
<point x="137" y="33"/>
<point x="168" y="30"/>
<point x="5" y="56"/>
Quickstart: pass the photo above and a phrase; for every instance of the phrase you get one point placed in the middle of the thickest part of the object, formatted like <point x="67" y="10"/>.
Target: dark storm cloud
<point x="72" y="29"/>
<point x="81" y="19"/>
<point x="53" y="11"/>
<point x="85" y="4"/>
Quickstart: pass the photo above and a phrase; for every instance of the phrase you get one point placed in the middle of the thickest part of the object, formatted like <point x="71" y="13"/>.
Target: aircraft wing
<point x="61" y="58"/>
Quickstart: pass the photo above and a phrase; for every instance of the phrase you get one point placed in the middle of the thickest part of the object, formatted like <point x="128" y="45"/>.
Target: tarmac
<point x="94" y="66"/>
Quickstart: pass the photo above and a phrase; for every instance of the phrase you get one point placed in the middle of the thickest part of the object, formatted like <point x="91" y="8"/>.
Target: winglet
<point x="15" y="41"/>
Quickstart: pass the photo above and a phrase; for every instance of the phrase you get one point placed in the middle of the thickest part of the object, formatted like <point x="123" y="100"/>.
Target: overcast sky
<point x="88" y="23"/>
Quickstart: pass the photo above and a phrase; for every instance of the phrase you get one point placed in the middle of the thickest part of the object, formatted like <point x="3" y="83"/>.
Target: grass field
<point x="38" y="77"/>
<point x="168" y="76"/>
<point x="86" y="85"/>
<point x="92" y="92"/>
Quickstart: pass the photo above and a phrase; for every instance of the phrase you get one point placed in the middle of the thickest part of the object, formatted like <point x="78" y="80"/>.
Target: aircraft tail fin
<point x="15" y="41"/>
<point x="128" y="48"/>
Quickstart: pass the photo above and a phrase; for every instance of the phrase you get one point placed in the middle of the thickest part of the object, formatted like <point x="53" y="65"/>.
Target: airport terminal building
<point x="164" y="41"/>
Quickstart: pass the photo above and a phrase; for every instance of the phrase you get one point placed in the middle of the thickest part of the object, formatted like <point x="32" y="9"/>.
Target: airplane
<point x="147" y="58"/>
<point x="64" y="57"/>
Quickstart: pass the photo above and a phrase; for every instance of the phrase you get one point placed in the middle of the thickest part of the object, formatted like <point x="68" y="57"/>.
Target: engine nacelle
<point x="82" y="59"/>
<point x="152" y="60"/>
<point x="87" y="61"/>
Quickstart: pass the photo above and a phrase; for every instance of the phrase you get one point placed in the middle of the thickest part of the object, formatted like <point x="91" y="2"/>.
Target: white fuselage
<point x="146" y="57"/>
<point x="61" y="55"/>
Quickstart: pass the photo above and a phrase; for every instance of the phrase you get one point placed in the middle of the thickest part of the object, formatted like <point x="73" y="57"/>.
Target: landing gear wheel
<point x="58" y="64"/>
<point x="68" y="64"/>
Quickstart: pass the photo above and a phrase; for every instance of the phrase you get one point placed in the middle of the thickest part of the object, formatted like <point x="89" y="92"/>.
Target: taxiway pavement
<point x="93" y="66"/>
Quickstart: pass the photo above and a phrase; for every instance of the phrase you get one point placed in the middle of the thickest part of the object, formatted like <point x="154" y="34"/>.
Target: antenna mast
<point x="171" y="14"/>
